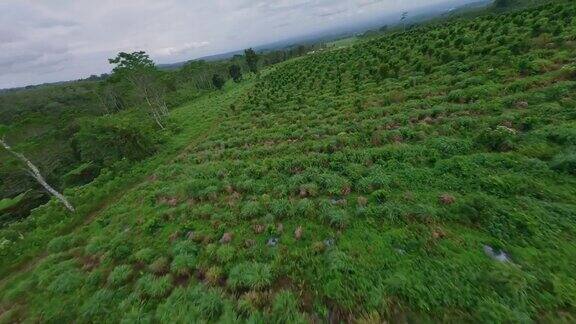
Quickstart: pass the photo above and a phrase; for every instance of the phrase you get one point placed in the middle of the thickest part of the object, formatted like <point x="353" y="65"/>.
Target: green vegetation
<point x="422" y="176"/>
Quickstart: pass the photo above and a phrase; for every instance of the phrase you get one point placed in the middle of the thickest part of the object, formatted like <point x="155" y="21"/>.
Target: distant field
<point x="343" y="42"/>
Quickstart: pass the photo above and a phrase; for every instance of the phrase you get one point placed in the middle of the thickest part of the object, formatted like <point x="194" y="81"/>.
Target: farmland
<point x="426" y="175"/>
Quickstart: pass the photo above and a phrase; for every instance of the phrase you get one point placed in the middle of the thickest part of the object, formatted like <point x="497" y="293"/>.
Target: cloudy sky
<point x="56" y="40"/>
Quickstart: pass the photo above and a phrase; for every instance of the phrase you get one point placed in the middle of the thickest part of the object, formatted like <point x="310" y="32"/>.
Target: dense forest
<point x="419" y="175"/>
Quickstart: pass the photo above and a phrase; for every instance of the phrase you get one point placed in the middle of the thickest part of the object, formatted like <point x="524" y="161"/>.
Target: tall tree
<point x="251" y="60"/>
<point x="235" y="72"/>
<point x="139" y="70"/>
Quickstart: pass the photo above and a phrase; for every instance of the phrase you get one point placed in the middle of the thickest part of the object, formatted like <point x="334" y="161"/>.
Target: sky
<point x="58" y="40"/>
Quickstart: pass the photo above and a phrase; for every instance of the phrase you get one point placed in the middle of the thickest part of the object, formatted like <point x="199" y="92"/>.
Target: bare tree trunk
<point x="38" y="176"/>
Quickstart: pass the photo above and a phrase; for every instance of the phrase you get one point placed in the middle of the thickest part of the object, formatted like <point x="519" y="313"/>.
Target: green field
<point x="424" y="176"/>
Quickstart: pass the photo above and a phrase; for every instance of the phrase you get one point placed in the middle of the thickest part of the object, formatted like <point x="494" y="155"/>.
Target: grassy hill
<point x="421" y="176"/>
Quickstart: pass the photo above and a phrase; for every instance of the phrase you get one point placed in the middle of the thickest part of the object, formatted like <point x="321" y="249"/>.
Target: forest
<point x="424" y="174"/>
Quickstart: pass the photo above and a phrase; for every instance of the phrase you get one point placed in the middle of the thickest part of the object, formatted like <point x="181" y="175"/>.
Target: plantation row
<point x="421" y="176"/>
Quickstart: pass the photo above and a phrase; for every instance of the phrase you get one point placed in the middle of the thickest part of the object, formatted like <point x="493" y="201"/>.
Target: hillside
<point x="421" y="176"/>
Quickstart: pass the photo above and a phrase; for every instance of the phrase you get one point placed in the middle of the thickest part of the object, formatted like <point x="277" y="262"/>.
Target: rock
<point x="298" y="233"/>
<point x="273" y="241"/>
<point x="447" y="199"/>
<point x="226" y="238"/>
<point x="499" y="255"/>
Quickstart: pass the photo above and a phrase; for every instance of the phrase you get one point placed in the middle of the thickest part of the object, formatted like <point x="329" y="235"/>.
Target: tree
<point x="139" y="70"/>
<point x="235" y="73"/>
<point x="34" y="172"/>
<point x="218" y="81"/>
<point x="252" y="60"/>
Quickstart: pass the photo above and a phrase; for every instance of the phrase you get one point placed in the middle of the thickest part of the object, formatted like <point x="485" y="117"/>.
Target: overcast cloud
<point x="55" y="40"/>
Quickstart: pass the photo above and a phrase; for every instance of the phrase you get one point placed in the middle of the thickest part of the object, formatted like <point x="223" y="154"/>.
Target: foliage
<point x="252" y="60"/>
<point x="419" y="176"/>
<point x="250" y="275"/>
<point x="218" y="81"/>
<point x="235" y="73"/>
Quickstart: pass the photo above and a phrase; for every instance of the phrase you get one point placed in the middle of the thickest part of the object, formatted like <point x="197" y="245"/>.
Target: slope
<point x="422" y="176"/>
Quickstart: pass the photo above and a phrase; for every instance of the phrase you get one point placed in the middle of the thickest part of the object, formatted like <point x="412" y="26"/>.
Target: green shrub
<point x="66" y="282"/>
<point x="191" y="304"/>
<point x="154" y="287"/>
<point x="120" y="275"/>
<point x="60" y="244"/>
<point x="250" y="275"/>
<point x="564" y="163"/>
<point x="98" y="306"/>
<point x="145" y="255"/>
<point x="285" y="308"/>
<point x="160" y="265"/>
<point x="186" y="247"/>
<point x="500" y="139"/>
<point x="183" y="264"/>
<point x="251" y="210"/>
<point x="225" y="253"/>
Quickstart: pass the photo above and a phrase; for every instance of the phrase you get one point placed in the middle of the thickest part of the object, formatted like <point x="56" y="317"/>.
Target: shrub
<point x="191" y="304"/>
<point x="187" y="247"/>
<point x="305" y="207"/>
<point x="251" y="210"/>
<point x="564" y="163"/>
<point x="145" y="255"/>
<point x="60" y="244"/>
<point x="159" y="266"/>
<point x="120" y="275"/>
<point x="154" y="287"/>
<point x="250" y="275"/>
<point x="500" y="139"/>
<point x="338" y="218"/>
<point x="66" y="282"/>
<point x="98" y="305"/>
<point x="225" y="253"/>
<point x="183" y="264"/>
<point x="281" y="208"/>
<point x="285" y="308"/>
